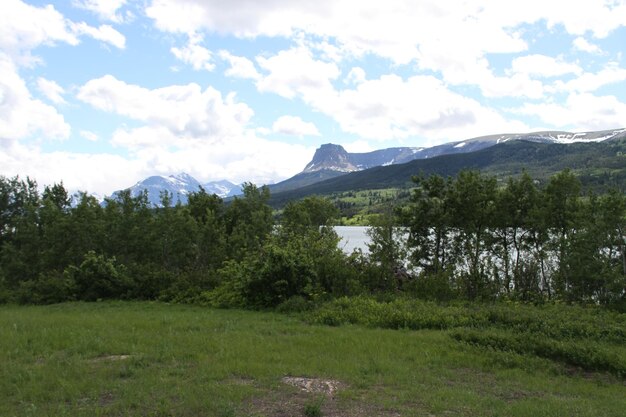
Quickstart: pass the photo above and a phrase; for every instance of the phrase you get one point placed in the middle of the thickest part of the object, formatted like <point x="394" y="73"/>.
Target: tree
<point x="472" y="204"/>
<point x="562" y="214"/>
<point x="248" y="221"/>
<point x="310" y="212"/>
<point x="428" y="219"/>
<point x="387" y="252"/>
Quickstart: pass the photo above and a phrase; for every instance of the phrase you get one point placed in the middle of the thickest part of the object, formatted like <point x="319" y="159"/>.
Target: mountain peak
<point x="330" y="157"/>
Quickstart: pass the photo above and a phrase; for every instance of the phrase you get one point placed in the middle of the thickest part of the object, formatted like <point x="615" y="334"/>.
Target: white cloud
<point x="24" y="27"/>
<point x="100" y="173"/>
<point x="195" y="54"/>
<point x="192" y="130"/>
<point x="105" y="9"/>
<point x="184" y="110"/>
<point x="296" y="71"/>
<point x="516" y="85"/>
<point x="588" y="82"/>
<point x="451" y="38"/>
<point x="355" y="76"/>
<point x="103" y="33"/>
<point x="294" y="126"/>
<point x="584" y="45"/>
<point x="53" y="91"/>
<point x="543" y="66"/>
<point x="90" y="136"/>
<point x="581" y="111"/>
<point x="240" y="67"/>
<point x="392" y="108"/>
<point x="389" y="107"/>
<point x="241" y="158"/>
<point x="358" y="146"/>
<point x="21" y="115"/>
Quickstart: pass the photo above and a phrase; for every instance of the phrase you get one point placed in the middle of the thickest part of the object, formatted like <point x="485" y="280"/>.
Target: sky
<point x="99" y="94"/>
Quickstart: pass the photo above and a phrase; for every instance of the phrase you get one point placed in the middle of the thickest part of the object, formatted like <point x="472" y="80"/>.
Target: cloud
<point x="393" y="108"/>
<point x="445" y="37"/>
<point x="588" y="82"/>
<point x="183" y="110"/>
<point x="584" y="45"/>
<point x="51" y="90"/>
<point x="581" y="111"/>
<point x="195" y="54"/>
<point x="359" y="146"/>
<point x="294" y="126"/>
<point x="186" y="128"/>
<point x="244" y="158"/>
<point x="240" y="67"/>
<point x="389" y="107"/>
<point x="103" y="33"/>
<point x="20" y="114"/>
<point x="296" y="71"/>
<point x="543" y="66"/>
<point x="104" y="9"/>
<point x="355" y="76"/>
<point x="99" y="173"/>
<point x="24" y="27"/>
<point x="90" y="136"/>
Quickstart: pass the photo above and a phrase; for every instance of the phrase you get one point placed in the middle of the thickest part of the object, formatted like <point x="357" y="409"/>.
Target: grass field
<point x="152" y="359"/>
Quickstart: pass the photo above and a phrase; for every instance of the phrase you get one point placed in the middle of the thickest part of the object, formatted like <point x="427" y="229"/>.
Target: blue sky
<point x="102" y="93"/>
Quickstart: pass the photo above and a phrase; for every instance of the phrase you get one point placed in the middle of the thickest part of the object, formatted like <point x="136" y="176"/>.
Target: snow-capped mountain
<point x="335" y="158"/>
<point x="179" y="187"/>
<point x="331" y="160"/>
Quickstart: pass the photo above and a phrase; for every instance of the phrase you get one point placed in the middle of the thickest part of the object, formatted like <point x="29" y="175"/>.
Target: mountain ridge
<point x="179" y="186"/>
<point x="597" y="164"/>
<point x="332" y="160"/>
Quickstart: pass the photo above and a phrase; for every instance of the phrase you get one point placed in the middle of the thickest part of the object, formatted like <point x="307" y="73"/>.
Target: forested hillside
<point x="599" y="166"/>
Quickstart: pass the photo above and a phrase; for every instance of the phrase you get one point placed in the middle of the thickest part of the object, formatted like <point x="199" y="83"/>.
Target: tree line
<point x="517" y="240"/>
<point x="467" y="237"/>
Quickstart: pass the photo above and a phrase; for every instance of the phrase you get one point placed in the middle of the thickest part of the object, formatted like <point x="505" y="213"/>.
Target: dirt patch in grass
<point x="314" y="385"/>
<point x="110" y="358"/>
<point x="299" y="392"/>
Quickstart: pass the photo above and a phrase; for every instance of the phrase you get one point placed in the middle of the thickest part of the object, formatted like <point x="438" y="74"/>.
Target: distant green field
<point x="152" y="359"/>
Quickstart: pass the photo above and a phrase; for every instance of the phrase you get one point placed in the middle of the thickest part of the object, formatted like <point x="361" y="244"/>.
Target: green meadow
<point x="157" y="359"/>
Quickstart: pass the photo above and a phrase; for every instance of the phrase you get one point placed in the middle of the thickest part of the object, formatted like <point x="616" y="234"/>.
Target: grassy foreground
<point x="151" y="359"/>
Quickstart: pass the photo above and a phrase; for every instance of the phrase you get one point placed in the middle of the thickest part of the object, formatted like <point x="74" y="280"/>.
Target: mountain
<point x="222" y="188"/>
<point x="330" y="157"/>
<point x="331" y="160"/>
<point x="179" y="186"/>
<point x="599" y="165"/>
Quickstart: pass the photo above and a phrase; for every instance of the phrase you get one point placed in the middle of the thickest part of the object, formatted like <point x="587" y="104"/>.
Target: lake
<point x="353" y="237"/>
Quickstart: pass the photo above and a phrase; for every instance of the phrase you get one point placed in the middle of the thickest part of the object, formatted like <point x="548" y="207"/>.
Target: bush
<point x="296" y="304"/>
<point x="48" y="288"/>
<point x="586" y="354"/>
<point x="98" y="277"/>
<point x="433" y="287"/>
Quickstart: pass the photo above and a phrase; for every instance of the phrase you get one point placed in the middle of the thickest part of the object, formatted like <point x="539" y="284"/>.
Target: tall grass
<point x="152" y="359"/>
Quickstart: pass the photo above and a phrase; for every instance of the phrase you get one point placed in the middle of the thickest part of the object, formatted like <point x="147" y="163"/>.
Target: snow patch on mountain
<point x="179" y="187"/>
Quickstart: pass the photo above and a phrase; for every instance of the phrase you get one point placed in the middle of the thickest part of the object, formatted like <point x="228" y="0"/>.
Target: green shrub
<point x="313" y="408"/>
<point x="98" y="277"/>
<point x="586" y="354"/>
<point x="48" y="288"/>
<point x="296" y="304"/>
